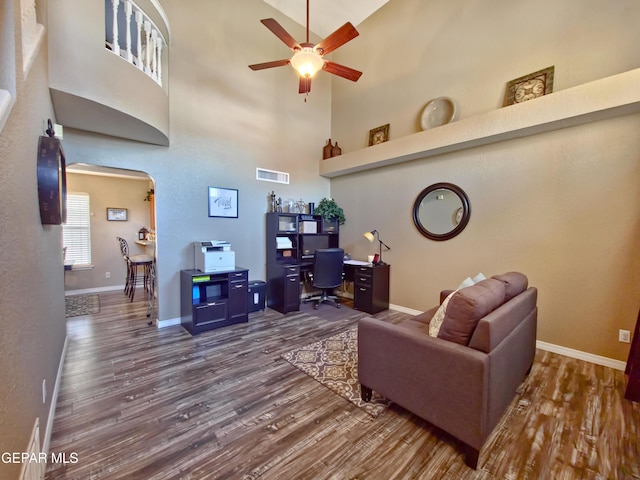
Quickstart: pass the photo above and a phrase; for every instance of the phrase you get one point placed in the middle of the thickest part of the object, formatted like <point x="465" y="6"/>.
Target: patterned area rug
<point x="334" y="363"/>
<point x="82" y="305"/>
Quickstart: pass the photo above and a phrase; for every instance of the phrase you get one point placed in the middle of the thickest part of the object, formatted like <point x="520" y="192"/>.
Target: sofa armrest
<point x="443" y="382"/>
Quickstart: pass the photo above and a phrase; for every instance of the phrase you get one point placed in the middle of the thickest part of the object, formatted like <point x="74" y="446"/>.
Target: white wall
<point x="226" y="120"/>
<point x="562" y="207"/>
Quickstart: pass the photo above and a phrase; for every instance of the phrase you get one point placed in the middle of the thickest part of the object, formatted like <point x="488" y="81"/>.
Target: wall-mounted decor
<point x="223" y="202"/>
<point x="379" y="135"/>
<point x="52" y="179"/>
<point x="441" y="211"/>
<point x="530" y="86"/>
<point x="117" y="214"/>
<point x="438" y="112"/>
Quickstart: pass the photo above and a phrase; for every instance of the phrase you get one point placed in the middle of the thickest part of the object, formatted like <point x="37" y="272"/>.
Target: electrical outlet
<point x="624" y="336"/>
<point x="44" y="391"/>
<point x="107" y="275"/>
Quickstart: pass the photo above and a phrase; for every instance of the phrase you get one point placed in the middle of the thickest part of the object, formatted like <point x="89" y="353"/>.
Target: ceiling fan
<point x="308" y="58"/>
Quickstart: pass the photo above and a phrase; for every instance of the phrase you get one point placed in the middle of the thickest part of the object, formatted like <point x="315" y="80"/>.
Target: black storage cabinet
<point x="255" y="296"/>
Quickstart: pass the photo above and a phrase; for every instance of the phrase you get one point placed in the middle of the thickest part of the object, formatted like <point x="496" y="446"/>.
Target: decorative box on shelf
<point x="308" y="227"/>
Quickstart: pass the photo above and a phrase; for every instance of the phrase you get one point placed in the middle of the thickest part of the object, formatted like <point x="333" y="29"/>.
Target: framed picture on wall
<point x="379" y="135"/>
<point x="223" y="202"/>
<point x="530" y="86"/>
<point x="117" y="214"/>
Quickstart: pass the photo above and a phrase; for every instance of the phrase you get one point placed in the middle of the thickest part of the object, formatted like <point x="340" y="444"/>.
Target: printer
<point x="213" y="256"/>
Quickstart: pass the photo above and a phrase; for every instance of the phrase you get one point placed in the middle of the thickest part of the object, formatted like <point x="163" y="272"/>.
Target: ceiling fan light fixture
<point x="306" y="62"/>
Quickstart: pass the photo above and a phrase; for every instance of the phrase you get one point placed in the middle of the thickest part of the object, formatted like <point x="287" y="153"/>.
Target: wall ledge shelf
<point x="601" y="99"/>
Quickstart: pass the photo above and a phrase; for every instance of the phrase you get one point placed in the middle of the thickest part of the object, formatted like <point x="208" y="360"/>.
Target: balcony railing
<point x="132" y="35"/>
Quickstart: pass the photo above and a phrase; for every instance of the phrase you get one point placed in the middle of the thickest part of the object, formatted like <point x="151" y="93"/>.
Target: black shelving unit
<point x="291" y="241"/>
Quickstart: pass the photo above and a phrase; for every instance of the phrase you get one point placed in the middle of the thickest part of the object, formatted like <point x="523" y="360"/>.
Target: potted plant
<point x="331" y="214"/>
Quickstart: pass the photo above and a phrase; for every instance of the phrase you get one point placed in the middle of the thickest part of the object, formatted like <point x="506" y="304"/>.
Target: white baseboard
<point x="83" y="291"/>
<point x="580" y="355"/>
<point x="399" y="308"/>
<point x="550" y="347"/>
<point x="168" y="323"/>
<point x="54" y="399"/>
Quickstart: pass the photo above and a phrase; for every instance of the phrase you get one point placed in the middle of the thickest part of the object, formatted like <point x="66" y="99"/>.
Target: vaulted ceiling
<point x="325" y="16"/>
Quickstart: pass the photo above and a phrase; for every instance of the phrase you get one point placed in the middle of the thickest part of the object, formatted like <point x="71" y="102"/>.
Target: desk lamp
<point x="371" y="236"/>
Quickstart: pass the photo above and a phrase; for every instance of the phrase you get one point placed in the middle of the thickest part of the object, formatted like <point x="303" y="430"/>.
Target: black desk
<point x="370" y="286"/>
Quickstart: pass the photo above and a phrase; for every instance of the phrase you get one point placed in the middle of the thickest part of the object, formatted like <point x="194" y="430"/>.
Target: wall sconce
<point x="371" y="237"/>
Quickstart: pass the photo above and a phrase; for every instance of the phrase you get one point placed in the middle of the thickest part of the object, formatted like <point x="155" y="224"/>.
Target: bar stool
<point x="134" y="263"/>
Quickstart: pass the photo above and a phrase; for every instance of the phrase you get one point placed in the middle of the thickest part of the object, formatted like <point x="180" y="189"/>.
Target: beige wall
<point x="32" y="323"/>
<point x="106" y="192"/>
<point x="562" y="206"/>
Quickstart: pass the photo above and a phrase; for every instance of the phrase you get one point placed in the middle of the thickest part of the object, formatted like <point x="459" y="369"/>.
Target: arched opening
<point x="121" y="203"/>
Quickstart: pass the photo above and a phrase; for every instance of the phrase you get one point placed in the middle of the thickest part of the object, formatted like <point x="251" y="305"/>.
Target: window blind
<point x="77" y="230"/>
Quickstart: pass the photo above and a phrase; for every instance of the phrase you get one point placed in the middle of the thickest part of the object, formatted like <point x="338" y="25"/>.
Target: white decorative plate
<point x="439" y="111"/>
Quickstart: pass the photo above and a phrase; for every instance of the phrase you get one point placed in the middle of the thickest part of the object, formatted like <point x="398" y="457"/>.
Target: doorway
<point x="121" y="204"/>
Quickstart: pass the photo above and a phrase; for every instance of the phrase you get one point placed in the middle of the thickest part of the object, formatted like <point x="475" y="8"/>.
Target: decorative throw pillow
<point x="438" y="317"/>
<point x="467" y="282"/>
<point x="479" y="277"/>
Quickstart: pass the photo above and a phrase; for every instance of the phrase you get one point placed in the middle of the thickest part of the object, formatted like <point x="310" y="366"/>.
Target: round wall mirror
<point x="441" y="211"/>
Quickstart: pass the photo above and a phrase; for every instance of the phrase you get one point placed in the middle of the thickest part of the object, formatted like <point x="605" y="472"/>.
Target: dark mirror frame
<point x="466" y="211"/>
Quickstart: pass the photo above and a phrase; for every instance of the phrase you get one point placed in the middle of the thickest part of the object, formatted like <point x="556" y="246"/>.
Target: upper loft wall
<point x="95" y="90"/>
<point x="469" y="51"/>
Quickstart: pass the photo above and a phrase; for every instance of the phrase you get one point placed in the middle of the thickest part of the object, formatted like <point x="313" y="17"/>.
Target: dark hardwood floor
<point x="137" y="402"/>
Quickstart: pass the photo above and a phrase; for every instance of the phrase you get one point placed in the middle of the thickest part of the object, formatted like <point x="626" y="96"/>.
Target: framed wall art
<point x="117" y="214"/>
<point x="379" y="135"/>
<point x="223" y="202"/>
<point x="530" y="86"/>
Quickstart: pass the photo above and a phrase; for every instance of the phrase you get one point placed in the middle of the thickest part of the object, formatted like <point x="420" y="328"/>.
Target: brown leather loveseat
<point x="463" y="379"/>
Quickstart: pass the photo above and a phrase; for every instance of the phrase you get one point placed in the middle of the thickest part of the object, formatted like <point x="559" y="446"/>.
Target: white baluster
<point x="139" y="45"/>
<point x="154" y="64"/>
<point x="127" y="12"/>
<point x="116" y="47"/>
<point x="159" y="50"/>
<point x="147" y="47"/>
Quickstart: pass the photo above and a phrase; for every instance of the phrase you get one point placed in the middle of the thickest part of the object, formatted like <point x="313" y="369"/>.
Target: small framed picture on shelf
<point x="379" y="135"/>
<point x="530" y="86"/>
<point x="117" y="214"/>
<point x="223" y="202"/>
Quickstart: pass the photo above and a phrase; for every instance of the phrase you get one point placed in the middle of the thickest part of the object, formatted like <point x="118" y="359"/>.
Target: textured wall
<point x="562" y="207"/>
<point x="226" y="120"/>
<point x="32" y="323"/>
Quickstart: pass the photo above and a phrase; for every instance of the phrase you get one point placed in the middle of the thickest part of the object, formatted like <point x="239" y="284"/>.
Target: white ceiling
<point x="326" y="16"/>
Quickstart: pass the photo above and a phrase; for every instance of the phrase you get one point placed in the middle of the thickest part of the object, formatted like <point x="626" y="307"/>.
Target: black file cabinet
<point x="371" y="288"/>
<point x="211" y="300"/>
<point x="283" y="288"/>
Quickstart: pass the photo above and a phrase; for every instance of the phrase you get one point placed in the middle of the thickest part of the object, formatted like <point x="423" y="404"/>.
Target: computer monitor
<point x="311" y="243"/>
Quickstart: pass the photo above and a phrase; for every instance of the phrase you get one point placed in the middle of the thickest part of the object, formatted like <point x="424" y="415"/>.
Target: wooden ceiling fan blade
<point x="338" y="38"/>
<point x="279" y="31"/>
<point x="275" y="63"/>
<point x="305" y="85"/>
<point x="342" y="71"/>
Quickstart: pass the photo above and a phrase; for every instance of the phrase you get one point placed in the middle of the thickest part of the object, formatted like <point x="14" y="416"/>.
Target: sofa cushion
<point x="467" y="306"/>
<point x="514" y="282"/>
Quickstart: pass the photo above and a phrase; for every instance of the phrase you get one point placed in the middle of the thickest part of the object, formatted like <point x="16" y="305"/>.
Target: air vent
<point x="271" y="176"/>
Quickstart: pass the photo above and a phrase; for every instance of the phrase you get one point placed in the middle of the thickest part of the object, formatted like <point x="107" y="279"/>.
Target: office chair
<point x="326" y="275"/>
